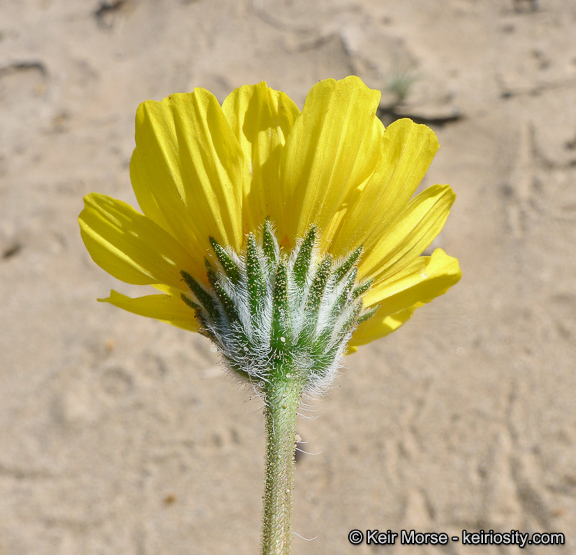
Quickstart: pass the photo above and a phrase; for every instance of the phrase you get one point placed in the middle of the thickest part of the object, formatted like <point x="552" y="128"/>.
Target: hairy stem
<point x="282" y="399"/>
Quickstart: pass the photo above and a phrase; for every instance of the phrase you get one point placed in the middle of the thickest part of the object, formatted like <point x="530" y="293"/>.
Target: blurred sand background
<point x="122" y="435"/>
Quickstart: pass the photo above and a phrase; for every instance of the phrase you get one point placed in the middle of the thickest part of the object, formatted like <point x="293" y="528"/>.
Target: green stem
<point x="282" y="400"/>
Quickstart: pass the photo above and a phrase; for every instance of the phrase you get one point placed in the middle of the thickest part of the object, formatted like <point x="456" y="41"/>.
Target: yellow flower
<point x="202" y="171"/>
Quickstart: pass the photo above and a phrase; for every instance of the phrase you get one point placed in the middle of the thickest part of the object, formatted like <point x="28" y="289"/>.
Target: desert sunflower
<point x="207" y="178"/>
<point x="286" y="237"/>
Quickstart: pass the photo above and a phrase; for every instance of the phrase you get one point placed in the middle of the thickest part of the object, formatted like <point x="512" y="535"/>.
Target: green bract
<point x="278" y="314"/>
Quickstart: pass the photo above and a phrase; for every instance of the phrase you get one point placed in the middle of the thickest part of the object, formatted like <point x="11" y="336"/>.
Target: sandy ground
<point x="122" y="435"/>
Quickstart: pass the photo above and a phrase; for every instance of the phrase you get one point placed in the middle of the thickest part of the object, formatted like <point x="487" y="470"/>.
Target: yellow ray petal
<point x="409" y="235"/>
<point x="378" y="327"/>
<point x="130" y="246"/>
<point x="425" y="279"/>
<point x="166" y="308"/>
<point x="188" y="170"/>
<point x="333" y="147"/>
<point x="406" y="151"/>
<point x="261" y="118"/>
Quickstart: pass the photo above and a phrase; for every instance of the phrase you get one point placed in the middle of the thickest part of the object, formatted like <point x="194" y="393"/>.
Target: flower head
<point x="262" y="225"/>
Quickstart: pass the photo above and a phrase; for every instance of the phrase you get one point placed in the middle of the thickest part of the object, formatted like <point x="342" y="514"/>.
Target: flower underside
<point x="280" y="315"/>
<point x="203" y="169"/>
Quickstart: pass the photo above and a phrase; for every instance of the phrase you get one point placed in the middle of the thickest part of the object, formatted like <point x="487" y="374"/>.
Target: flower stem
<point x="282" y="400"/>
